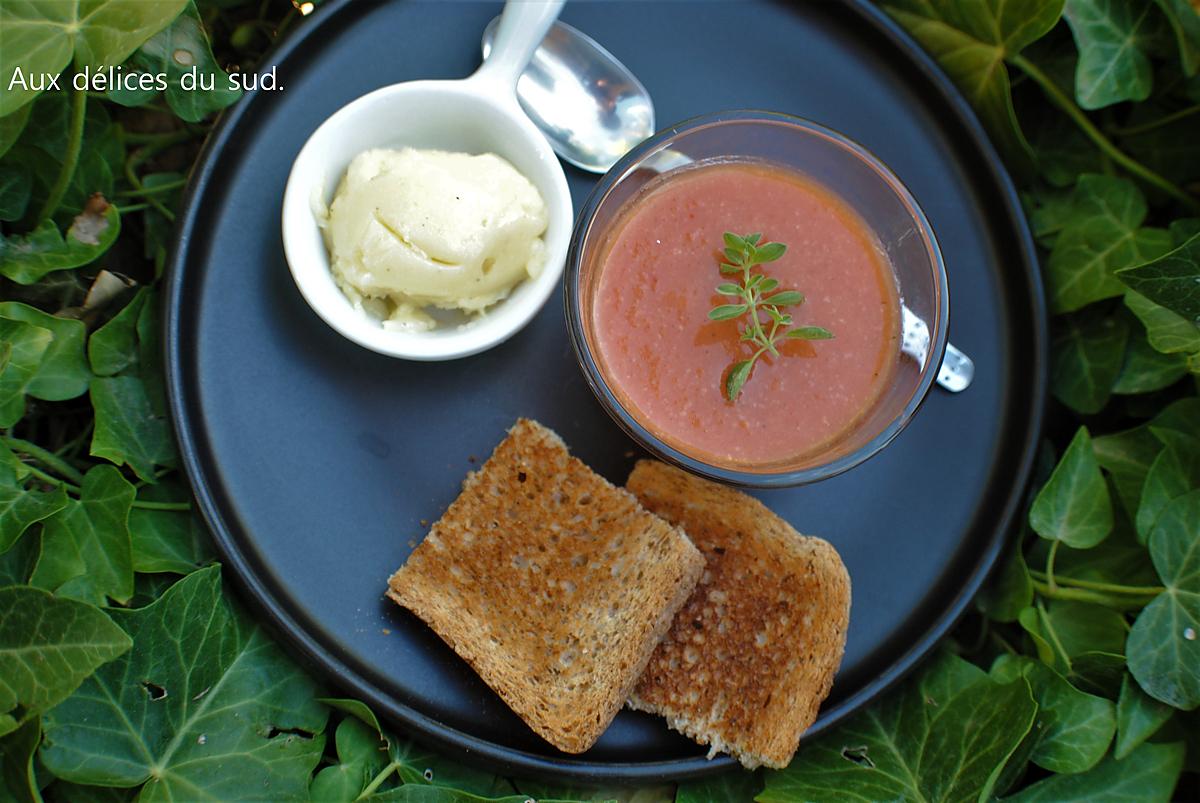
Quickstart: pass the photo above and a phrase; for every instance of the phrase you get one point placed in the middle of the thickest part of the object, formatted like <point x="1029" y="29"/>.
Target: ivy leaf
<point x="78" y="793"/>
<point x="128" y="429"/>
<point x="1184" y="228"/>
<point x="944" y="735"/>
<point x="414" y="764"/>
<point x="27" y="258"/>
<point x="11" y="464"/>
<point x="1009" y="591"/>
<point x="19" y="508"/>
<point x="157" y="229"/>
<point x="1063" y="152"/>
<point x="971" y="43"/>
<point x="1110" y="35"/>
<point x="1082" y="642"/>
<point x="168" y="540"/>
<point x="174" y="51"/>
<point x="63" y="373"/>
<point x="16" y="184"/>
<point x="1147" y="775"/>
<point x="419" y="766"/>
<point x="1146" y="369"/>
<point x="1171" y="280"/>
<point x="1081" y="628"/>
<point x="16" y="565"/>
<point x="1178" y="423"/>
<point x="43" y="147"/>
<point x="1127" y="457"/>
<point x="613" y="793"/>
<point x="1073" y="729"/>
<point x="1169" y="149"/>
<point x="85" y="546"/>
<point x="1139" y="716"/>
<point x="11" y="126"/>
<point x="48" y="646"/>
<point x="17" y="775"/>
<point x="22" y="347"/>
<point x="355" y="708"/>
<point x="437" y="794"/>
<point x="204" y="706"/>
<point x="1173" y="473"/>
<point x="1104" y="236"/>
<point x="113" y="347"/>
<point x="1164" y="644"/>
<point x="1074" y="506"/>
<point x="1120" y="560"/>
<point x="1086" y="356"/>
<point x="735" y="785"/>
<point x="362" y="754"/>
<point x="1167" y="331"/>
<point x="46" y="37"/>
<point x="1185" y="23"/>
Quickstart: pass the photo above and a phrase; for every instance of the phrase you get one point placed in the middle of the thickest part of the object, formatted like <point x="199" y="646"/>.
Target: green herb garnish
<point x="757" y="296"/>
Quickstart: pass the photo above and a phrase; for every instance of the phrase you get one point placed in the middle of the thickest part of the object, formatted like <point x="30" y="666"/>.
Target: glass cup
<point x="864" y="183"/>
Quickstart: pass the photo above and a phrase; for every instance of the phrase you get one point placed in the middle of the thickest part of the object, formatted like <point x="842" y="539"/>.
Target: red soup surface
<point x="667" y="361"/>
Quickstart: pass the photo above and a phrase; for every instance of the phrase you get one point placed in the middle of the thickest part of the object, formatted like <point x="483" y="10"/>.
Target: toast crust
<point x="753" y="651"/>
<point x="554" y="585"/>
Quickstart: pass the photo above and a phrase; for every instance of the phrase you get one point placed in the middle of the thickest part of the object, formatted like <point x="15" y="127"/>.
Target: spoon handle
<point x="522" y="27"/>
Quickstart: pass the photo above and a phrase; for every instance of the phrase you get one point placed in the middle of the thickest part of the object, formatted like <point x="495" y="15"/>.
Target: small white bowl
<point x="479" y="114"/>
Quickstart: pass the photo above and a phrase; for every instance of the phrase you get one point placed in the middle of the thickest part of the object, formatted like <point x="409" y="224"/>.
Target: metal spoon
<point x="593" y="110"/>
<point x="590" y="107"/>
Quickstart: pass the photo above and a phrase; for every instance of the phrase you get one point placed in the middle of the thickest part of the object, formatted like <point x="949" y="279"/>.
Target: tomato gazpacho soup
<point x="735" y="391"/>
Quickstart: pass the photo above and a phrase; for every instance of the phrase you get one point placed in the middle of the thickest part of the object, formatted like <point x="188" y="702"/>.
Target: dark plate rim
<point x="288" y="630"/>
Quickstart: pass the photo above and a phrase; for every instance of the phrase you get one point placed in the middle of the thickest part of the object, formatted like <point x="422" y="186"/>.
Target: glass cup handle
<point x="957" y="369"/>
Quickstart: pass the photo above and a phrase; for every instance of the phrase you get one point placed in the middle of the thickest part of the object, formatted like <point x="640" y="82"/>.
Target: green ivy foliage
<point x="128" y="671"/>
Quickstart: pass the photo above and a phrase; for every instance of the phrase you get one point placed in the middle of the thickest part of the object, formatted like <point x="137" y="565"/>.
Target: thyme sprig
<point x="757" y="295"/>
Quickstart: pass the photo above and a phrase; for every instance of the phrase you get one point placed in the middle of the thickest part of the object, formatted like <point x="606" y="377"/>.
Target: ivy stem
<point x="1085" y="595"/>
<point x="170" y="185"/>
<point x="142" y="138"/>
<point x="70" y="158"/>
<point x="71" y="448"/>
<point x="150" y="199"/>
<point x="74" y="490"/>
<point x="50" y="478"/>
<point x="145" y="153"/>
<point x="1050" y="565"/>
<point x="143" y="504"/>
<point x="1059" y="99"/>
<point x="1110" y="588"/>
<point x="1052" y="635"/>
<point x="1002" y="642"/>
<point x="46" y="458"/>
<point x="378" y="780"/>
<point x="1143" y="128"/>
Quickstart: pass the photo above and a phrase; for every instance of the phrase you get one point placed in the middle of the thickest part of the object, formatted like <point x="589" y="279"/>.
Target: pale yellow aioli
<point x="410" y="229"/>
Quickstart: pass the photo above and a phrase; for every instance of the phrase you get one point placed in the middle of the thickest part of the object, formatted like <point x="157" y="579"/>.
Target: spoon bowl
<point x="479" y="114"/>
<point x="589" y="105"/>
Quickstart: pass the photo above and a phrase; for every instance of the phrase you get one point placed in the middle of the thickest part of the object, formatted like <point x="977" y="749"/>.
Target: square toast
<point x="753" y="652"/>
<point x="553" y="584"/>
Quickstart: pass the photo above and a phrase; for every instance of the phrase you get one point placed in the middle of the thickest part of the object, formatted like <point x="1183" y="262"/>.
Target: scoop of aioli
<point x="409" y="229"/>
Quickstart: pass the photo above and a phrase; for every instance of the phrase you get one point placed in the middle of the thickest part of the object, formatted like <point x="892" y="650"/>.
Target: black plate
<point x="316" y="462"/>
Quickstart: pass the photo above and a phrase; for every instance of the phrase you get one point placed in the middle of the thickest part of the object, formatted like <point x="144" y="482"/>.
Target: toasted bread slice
<point x="753" y="652"/>
<point x="554" y="585"/>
